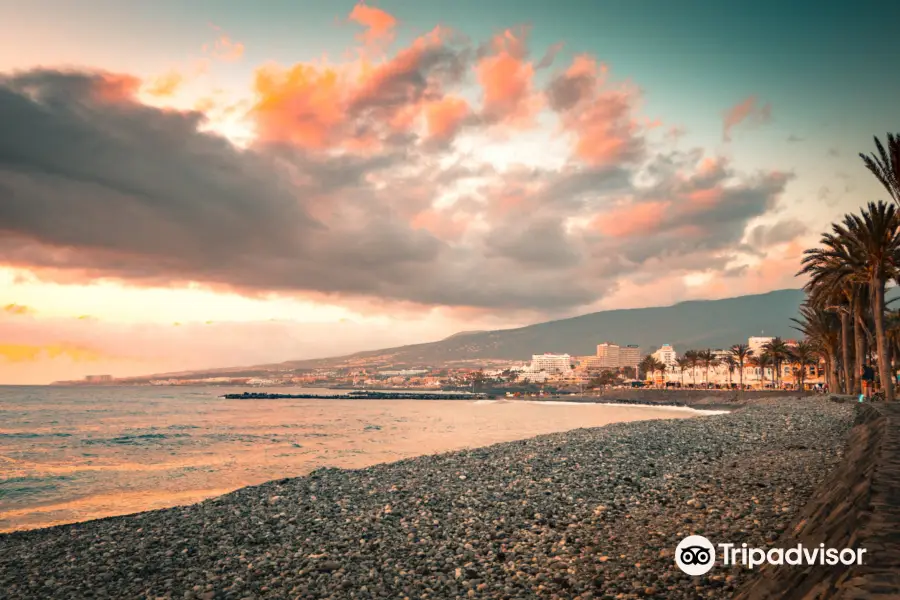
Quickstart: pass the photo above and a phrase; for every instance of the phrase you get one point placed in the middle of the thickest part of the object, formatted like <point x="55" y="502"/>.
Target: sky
<point x="201" y="184"/>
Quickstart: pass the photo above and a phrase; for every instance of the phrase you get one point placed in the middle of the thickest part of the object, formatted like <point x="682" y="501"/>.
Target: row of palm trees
<point x="845" y="316"/>
<point x="774" y="355"/>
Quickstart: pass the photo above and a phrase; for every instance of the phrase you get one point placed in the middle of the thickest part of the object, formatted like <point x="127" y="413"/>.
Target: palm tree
<point x="779" y="352"/>
<point x="731" y="363"/>
<point x="741" y="352"/>
<point x="832" y="287"/>
<point x="661" y="367"/>
<point x="762" y="361"/>
<point x="707" y="358"/>
<point x="715" y="363"/>
<point x="886" y="164"/>
<point x="821" y="328"/>
<point x="803" y="355"/>
<point x="683" y="364"/>
<point x="647" y="365"/>
<point x="873" y="242"/>
<point x="693" y="358"/>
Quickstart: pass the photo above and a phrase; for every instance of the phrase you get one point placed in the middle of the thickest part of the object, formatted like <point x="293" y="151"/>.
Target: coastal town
<point x="767" y="363"/>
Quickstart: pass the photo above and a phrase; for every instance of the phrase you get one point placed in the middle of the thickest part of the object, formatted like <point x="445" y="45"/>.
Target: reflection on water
<point x="70" y="454"/>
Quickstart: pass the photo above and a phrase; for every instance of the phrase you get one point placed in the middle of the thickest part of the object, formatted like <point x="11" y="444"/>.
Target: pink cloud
<point x="748" y="111"/>
<point x="224" y="49"/>
<point x="445" y="116"/>
<point x="506" y="78"/>
<point x="600" y="115"/>
<point x="379" y="25"/>
<point x="637" y="219"/>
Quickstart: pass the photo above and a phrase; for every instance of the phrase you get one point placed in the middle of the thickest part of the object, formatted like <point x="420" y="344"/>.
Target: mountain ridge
<point x="687" y="324"/>
<point x="701" y="324"/>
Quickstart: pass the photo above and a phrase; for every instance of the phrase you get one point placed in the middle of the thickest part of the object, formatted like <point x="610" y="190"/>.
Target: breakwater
<point x="356" y="396"/>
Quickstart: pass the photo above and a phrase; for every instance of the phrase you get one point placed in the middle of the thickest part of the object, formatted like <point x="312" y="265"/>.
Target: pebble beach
<point x="589" y="513"/>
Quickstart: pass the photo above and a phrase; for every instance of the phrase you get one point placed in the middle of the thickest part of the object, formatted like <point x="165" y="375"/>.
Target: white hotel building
<point x="666" y="355"/>
<point x="551" y="363"/>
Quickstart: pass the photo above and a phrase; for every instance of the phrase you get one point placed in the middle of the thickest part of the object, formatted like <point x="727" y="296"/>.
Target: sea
<point x="70" y="454"/>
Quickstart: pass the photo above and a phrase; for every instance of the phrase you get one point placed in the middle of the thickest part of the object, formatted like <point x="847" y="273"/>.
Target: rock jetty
<point x="586" y="514"/>
<point x="358" y="396"/>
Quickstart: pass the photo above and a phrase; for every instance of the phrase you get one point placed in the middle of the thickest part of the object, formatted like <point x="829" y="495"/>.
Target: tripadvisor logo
<point x="696" y="555"/>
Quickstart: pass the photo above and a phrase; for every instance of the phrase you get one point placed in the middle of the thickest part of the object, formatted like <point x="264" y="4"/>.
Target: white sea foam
<point x="698" y="411"/>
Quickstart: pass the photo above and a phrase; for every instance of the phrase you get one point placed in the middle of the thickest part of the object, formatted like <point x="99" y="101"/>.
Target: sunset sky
<point x="224" y="182"/>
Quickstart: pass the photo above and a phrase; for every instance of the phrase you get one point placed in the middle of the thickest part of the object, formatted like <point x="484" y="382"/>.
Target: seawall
<point x="857" y="506"/>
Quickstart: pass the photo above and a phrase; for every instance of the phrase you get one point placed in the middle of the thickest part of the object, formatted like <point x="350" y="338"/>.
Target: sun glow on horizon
<point x="116" y="302"/>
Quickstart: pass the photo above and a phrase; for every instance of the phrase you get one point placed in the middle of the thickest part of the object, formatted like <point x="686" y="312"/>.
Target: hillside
<point x="693" y="324"/>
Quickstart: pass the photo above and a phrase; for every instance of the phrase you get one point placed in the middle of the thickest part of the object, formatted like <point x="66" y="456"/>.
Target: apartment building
<point x="551" y="363"/>
<point x="614" y="356"/>
<point x="608" y="355"/>
<point x="630" y="355"/>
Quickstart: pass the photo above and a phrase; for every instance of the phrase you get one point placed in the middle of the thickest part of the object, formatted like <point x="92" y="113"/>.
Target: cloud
<point x="353" y="191"/>
<point x="601" y="116"/>
<point x="224" y="48"/>
<point x="549" y="56"/>
<point x="749" y="112"/>
<point x="165" y="85"/>
<point x="628" y="221"/>
<point x="17" y="309"/>
<point x="378" y="24"/>
<point x="777" y="233"/>
<point x="445" y="117"/>
<point x="506" y="78"/>
<point x="675" y="133"/>
<point x="357" y="105"/>
<point x="18" y="353"/>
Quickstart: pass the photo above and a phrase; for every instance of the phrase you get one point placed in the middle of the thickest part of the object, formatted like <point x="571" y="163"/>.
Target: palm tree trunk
<point x="833" y="368"/>
<point x="741" y="375"/>
<point x="884" y="370"/>
<point x="860" y="349"/>
<point x="845" y="354"/>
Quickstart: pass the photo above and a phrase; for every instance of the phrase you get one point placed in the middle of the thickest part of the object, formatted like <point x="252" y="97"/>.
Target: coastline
<point x="724" y="410"/>
<point x="589" y="511"/>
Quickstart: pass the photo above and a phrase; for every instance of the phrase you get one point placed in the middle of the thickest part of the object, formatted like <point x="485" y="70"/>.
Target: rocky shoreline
<point x="590" y="513"/>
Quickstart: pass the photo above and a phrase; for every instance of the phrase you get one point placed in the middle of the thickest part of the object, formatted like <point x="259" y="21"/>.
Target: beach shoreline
<point x="582" y="513"/>
<point x="78" y="464"/>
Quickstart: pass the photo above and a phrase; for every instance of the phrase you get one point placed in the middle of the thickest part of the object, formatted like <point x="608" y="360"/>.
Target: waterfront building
<point x="551" y="363"/>
<point x="666" y="355"/>
<point x="756" y="343"/>
<point x="629" y="356"/>
<point x="591" y="363"/>
<point x="608" y="355"/>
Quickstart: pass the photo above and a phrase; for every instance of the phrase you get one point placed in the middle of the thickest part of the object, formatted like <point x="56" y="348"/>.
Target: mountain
<point x="692" y="324"/>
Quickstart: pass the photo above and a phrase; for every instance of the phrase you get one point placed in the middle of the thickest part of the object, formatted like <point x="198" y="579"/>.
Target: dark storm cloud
<point x="777" y="233"/>
<point x="541" y="242"/>
<point x="95" y="184"/>
<point x="565" y="91"/>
